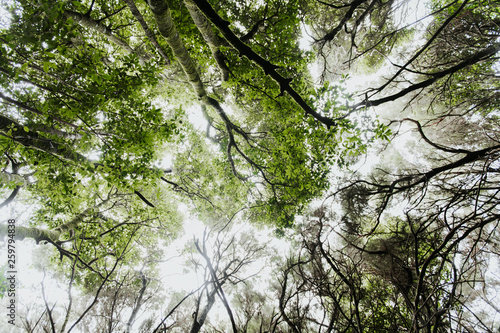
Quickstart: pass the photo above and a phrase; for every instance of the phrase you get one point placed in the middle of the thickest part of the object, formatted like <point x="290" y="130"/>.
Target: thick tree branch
<point x="429" y="42"/>
<point x="34" y="110"/>
<point x="352" y="7"/>
<point x="475" y="58"/>
<point x="266" y="66"/>
<point x="18" y="133"/>
<point x="149" y="34"/>
<point x="9" y="177"/>
<point x="29" y="139"/>
<point x="57" y="132"/>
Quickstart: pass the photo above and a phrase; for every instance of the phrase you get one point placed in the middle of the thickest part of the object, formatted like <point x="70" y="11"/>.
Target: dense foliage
<point x="120" y="120"/>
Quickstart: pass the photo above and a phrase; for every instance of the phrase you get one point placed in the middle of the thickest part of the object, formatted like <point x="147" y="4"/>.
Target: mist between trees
<point x="361" y="197"/>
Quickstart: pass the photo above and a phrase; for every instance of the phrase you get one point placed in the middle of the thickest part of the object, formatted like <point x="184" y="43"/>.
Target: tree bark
<point x="200" y="318"/>
<point x="168" y="30"/>
<point x="88" y="22"/>
<point x="138" y="302"/>
<point x="6" y="177"/>
<point x="213" y="41"/>
<point x="149" y="34"/>
<point x="57" y="132"/>
<point x="11" y="197"/>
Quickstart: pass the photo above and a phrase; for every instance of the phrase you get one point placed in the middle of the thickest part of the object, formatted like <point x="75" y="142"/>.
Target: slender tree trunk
<point x="213" y="41"/>
<point x="167" y="28"/>
<point x="88" y="22"/>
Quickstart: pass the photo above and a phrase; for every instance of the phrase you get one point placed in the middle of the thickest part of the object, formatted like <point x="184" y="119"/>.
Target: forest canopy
<point x="361" y="135"/>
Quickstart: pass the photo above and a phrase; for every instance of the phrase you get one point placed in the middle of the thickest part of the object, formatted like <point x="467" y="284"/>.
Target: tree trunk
<point x="213" y="41"/>
<point x="167" y="28"/>
<point x="38" y="234"/>
<point x="149" y="34"/>
<point x="88" y="22"/>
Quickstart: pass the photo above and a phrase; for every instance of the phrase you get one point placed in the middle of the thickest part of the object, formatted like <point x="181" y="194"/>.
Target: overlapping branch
<point x="266" y="66"/>
<point x="86" y="21"/>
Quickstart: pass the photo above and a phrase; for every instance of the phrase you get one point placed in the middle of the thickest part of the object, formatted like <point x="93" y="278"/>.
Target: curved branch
<point x="475" y="58"/>
<point x="352" y="7"/>
<point x="435" y="145"/>
<point x="20" y="182"/>
<point x="11" y="197"/>
<point x="266" y="66"/>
